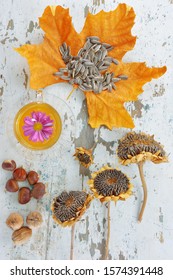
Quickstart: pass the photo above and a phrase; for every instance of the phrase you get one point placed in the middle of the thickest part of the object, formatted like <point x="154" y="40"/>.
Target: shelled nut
<point x="12" y="185"/>
<point x="14" y="221"/>
<point x="22" y="235"/>
<point x="24" y="195"/>
<point x="34" y="219"/>
<point x="9" y="165"/>
<point x="32" y="177"/>
<point x="19" y="174"/>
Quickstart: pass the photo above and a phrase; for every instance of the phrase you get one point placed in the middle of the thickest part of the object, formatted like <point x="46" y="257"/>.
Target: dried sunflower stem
<point x="144" y="185"/>
<point x="108" y="232"/>
<point x="72" y="242"/>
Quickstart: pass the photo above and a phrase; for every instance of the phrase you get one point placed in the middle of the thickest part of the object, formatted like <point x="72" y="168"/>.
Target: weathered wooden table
<point x="152" y="113"/>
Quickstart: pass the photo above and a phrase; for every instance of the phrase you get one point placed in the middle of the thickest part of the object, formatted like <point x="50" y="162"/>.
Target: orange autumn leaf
<point x="44" y="60"/>
<point x="113" y="28"/>
<point x="102" y="108"/>
<point x="105" y="104"/>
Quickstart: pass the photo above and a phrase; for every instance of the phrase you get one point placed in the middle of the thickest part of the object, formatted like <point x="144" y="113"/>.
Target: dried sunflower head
<point x="135" y="147"/>
<point x="110" y="184"/>
<point x="67" y="208"/>
<point x="84" y="156"/>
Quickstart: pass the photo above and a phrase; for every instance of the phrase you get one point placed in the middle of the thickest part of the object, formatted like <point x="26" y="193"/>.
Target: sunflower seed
<point x="97" y="48"/>
<point x="108" y="79"/>
<point x="65" y="78"/>
<point x="114" y="86"/>
<point x="58" y="74"/>
<point x="123" y="77"/>
<point x="64" y="45"/>
<point x="89" y="64"/>
<point x="115" y="61"/>
<point x="106" y="63"/>
<point x="115" y="80"/>
<point x="93" y="37"/>
<point x="103" y="68"/>
<point x="106" y="45"/>
<point x="94" y="41"/>
<point x="110" y="87"/>
<point x="104" y="53"/>
<point x="110" y="48"/>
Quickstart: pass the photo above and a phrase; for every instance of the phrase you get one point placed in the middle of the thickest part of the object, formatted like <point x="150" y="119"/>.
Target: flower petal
<point x="28" y="121"/>
<point x="34" y="136"/>
<point x="112" y="27"/>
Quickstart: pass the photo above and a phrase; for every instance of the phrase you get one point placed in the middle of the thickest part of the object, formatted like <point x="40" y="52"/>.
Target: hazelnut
<point x="32" y="177"/>
<point x="24" y="195"/>
<point x="19" y="174"/>
<point x="21" y="235"/>
<point x="14" y="221"/>
<point x="34" y="219"/>
<point x="12" y="185"/>
<point x="9" y="165"/>
<point x="38" y="190"/>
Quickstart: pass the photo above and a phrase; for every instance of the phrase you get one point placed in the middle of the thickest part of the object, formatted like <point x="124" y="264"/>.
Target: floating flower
<point x="84" y="156"/>
<point x="137" y="148"/>
<point x="68" y="208"/>
<point x="38" y="127"/>
<point x="110" y="184"/>
<point x="92" y="61"/>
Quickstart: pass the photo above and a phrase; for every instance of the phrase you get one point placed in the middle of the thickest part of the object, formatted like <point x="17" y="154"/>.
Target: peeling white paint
<point x="153" y="238"/>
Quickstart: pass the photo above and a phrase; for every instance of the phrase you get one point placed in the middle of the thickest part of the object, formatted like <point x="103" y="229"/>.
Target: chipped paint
<point x="26" y="78"/>
<point x="98" y="2"/>
<point x="109" y="145"/>
<point x="121" y="256"/>
<point x="159" y="90"/>
<point x="1" y="91"/>
<point x="30" y="28"/>
<point x="10" y="25"/>
<point x="137" y="111"/>
<point x="85" y="236"/>
<point x="86" y="10"/>
<point x="160" y="215"/>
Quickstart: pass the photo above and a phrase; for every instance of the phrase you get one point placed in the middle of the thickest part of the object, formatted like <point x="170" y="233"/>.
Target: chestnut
<point x="19" y="174"/>
<point x="38" y="190"/>
<point x="32" y="177"/>
<point x="9" y="165"/>
<point x="24" y="195"/>
<point x="12" y="185"/>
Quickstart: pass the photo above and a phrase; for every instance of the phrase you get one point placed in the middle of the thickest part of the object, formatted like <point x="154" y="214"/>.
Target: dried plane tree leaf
<point x="92" y="61"/>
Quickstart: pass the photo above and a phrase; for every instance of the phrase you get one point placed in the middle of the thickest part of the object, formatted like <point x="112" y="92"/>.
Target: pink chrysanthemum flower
<point x="38" y="127"/>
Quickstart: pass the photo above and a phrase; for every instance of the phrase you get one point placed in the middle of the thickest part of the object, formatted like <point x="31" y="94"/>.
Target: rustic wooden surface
<point x="152" y="113"/>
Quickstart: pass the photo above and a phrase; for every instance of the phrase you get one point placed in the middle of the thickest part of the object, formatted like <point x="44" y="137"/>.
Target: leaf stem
<point x="72" y="242"/>
<point x="144" y="185"/>
<point x="108" y="232"/>
<point x="71" y="93"/>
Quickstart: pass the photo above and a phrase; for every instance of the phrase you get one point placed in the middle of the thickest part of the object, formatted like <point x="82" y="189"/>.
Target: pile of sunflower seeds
<point x="88" y="68"/>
